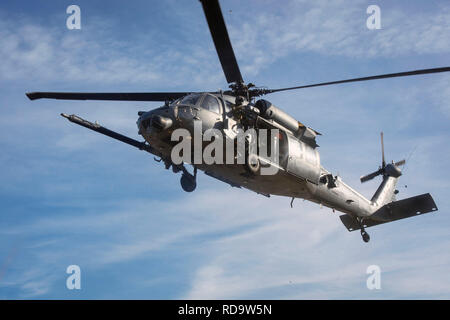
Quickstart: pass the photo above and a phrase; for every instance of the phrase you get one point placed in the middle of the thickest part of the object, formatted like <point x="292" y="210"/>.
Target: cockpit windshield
<point x="191" y="99"/>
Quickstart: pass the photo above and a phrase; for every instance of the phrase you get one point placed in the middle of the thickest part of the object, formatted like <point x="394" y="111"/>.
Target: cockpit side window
<point x="228" y="106"/>
<point x="190" y="99"/>
<point x="175" y="102"/>
<point x="211" y="103"/>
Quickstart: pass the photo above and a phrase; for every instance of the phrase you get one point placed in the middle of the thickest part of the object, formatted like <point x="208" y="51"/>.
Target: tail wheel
<point x="365" y="236"/>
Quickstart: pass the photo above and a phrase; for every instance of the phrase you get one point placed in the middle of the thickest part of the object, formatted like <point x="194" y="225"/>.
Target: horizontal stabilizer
<point x="393" y="211"/>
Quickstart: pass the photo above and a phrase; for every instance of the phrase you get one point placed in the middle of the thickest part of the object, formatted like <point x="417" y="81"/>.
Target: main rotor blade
<point x="383" y="162"/>
<point x="131" y="96"/>
<point x="221" y="40"/>
<point x="381" y="76"/>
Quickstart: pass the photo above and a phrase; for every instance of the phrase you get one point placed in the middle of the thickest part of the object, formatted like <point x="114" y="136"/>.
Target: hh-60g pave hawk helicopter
<point x="300" y="173"/>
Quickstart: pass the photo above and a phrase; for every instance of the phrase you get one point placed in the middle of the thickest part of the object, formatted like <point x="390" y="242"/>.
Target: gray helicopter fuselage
<point x="299" y="174"/>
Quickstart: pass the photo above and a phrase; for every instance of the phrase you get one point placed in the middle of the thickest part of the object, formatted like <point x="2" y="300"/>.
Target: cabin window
<point x="211" y="103"/>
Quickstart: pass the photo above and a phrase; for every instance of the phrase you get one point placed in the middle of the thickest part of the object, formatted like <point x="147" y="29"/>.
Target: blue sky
<point x="70" y="196"/>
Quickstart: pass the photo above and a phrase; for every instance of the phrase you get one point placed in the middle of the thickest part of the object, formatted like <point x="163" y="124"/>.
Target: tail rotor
<point x="389" y="169"/>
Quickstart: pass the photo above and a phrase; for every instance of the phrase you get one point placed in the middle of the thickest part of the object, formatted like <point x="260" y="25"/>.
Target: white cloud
<point x="44" y="53"/>
<point x="303" y="256"/>
<point x="336" y="28"/>
<point x="440" y="95"/>
<point x="263" y="249"/>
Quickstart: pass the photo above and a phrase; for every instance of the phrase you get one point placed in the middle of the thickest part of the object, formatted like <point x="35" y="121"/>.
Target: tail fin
<point x="386" y="191"/>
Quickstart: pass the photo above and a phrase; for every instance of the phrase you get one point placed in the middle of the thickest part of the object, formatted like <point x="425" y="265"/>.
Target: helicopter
<point x="298" y="174"/>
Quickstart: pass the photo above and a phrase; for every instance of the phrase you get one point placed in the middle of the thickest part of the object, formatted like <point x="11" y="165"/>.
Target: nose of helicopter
<point x="158" y="119"/>
<point x="161" y="123"/>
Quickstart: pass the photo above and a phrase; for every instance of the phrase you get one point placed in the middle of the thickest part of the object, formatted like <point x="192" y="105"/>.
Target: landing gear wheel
<point x="188" y="182"/>
<point x="252" y="164"/>
<point x="365" y="236"/>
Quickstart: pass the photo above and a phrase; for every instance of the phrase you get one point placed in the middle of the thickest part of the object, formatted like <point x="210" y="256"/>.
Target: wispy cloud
<point x="336" y="28"/>
<point x="30" y="50"/>
<point x="264" y="249"/>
